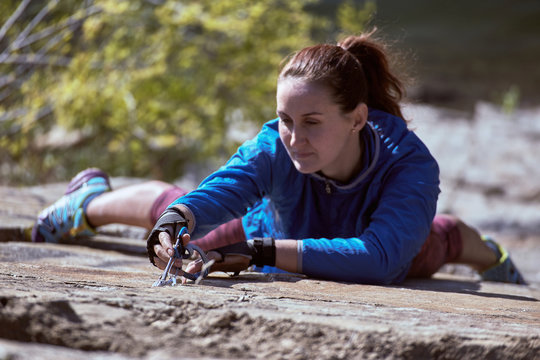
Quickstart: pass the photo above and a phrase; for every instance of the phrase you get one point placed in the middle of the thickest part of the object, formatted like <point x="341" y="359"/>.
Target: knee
<point x="448" y="222"/>
<point x="453" y="222"/>
<point x="157" y="187"/>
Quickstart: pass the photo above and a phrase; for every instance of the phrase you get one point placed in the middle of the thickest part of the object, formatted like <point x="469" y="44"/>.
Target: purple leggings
<point x="443" y="245"/>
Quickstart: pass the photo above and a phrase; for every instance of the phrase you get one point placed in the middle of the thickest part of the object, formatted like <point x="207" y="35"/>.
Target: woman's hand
<point x="239" y="256"/>
<point x="160" y="241"/>
<point x="164" y="250"/>
<point x="227" y="263"/>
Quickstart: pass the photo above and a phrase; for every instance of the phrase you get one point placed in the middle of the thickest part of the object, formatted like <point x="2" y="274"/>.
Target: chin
<point x="305" y="169"/>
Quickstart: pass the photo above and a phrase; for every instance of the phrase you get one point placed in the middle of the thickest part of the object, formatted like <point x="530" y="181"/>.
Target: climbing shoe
<point x="67" y="216"/>
<point x="504" y="270"/>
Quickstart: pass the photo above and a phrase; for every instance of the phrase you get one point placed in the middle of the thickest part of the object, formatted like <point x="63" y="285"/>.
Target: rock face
<point x="68" y="297"/>
<point x="93" y="298"/>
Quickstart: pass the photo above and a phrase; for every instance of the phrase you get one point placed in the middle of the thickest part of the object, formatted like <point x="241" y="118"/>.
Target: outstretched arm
<point x="236" y="261"/>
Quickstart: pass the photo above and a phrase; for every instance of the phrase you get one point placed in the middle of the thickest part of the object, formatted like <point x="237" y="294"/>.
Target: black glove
<point x="261" y="250"/>
<point x="171" y="221"/>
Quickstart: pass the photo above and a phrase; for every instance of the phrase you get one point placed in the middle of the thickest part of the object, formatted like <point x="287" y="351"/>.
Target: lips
<point x="301" y="155"/>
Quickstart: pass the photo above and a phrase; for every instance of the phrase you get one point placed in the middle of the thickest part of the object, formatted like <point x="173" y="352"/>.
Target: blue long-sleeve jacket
<point x="366" y="231"/>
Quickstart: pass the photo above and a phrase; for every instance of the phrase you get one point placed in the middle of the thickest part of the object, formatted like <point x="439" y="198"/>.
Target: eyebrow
<point x="303" y="115"/>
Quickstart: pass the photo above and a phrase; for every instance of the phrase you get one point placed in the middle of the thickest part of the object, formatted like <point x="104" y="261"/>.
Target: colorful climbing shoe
<point x="504" y="270"/>
<point x="66" y="217"/>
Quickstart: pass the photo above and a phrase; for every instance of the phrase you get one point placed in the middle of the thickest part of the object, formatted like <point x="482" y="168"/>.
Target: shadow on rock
<point x="459" y="287"/>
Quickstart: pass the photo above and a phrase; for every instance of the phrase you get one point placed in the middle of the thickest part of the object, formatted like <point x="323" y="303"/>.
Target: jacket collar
<point x="372" y="149"/>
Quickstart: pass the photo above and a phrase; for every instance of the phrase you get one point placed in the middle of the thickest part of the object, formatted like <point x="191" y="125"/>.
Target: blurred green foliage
<point x="142" y="88"/>
<point x="510" y="100"/>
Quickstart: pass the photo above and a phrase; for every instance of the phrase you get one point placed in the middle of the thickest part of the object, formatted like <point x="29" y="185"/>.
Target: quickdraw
<point x="183" y="252"/>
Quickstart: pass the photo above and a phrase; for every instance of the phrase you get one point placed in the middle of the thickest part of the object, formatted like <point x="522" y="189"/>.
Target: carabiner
<point x="181" y="252"/>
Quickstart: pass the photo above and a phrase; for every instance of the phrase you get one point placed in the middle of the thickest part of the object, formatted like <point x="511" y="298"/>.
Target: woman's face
<point x="315" y="132"/>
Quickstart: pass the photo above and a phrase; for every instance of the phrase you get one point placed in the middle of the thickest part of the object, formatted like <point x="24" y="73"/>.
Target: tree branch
<point x="71" y="22"/>
<point x="33" y="59"/>
<point x="32" y="24"/>
<point x="5" y="28"/>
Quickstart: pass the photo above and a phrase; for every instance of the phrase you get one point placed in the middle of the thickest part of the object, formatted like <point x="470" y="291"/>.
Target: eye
<point x="312" y="121"/>
<point x="285" y="120"/>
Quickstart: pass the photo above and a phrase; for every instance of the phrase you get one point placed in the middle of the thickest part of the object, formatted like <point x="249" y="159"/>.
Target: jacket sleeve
<point x="397" y="229"/>
<point x="229" y="192"/>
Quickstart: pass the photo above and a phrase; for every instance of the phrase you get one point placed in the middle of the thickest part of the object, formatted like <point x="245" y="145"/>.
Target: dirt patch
<point x="205" y="329"/>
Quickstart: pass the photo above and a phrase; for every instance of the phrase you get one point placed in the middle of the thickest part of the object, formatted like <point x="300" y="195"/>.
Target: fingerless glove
<point x="171" y="221"/>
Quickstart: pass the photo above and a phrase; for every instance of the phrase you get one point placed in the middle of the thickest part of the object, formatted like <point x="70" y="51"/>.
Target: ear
<point x="360" y="115"/>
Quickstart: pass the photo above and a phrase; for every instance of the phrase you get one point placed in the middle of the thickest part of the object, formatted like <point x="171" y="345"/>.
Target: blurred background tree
<point x="144" y="88"/>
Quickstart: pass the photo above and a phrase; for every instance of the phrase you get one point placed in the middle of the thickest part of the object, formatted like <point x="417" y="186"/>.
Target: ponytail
<point x="355" y="71"/>
<point x="385" y="89"/>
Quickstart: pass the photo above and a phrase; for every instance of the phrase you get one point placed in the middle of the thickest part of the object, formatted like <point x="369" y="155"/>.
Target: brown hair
<point x="356" y="70"/>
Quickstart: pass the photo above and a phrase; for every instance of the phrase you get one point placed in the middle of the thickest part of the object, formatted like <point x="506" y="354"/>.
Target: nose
<point x="297" y="136"/>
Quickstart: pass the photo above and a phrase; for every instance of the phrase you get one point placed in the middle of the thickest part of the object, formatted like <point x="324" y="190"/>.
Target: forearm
<point x="287" y="255"/>
<point x="361" y="260"/>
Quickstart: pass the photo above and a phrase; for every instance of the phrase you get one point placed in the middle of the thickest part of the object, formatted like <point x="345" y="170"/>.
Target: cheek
<point x="328" y="143"/>
<point x="284" y="135"/>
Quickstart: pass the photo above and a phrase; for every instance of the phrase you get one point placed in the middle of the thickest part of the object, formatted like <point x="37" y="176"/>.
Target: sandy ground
<point x="93" y="299"/>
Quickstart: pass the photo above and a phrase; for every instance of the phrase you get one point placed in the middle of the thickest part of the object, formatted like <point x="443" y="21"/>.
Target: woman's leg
<point x="142" y="204"/>
<point x="89" y="202"/>
<point x="475" y="252"/>
<point x="146" y="202"/>
<point x="444" y="244"/>
<point x="130" y="205"/>
<point x="487" y="257"/>
<point x="452" y="241"/>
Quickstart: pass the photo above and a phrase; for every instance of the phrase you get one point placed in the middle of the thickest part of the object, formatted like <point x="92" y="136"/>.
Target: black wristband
<point x="265" y="251"/>
<point x="261" y="250"/>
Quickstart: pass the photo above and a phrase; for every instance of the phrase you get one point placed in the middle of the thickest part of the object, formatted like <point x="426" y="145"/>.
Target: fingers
<point x="164" y="250"/>
<point x="160" y="263"/>
<point x="166" y="244"/>
<point x="185" y="239"/>
<point x="231" y="263"/>
<point x="196" y="265"/>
